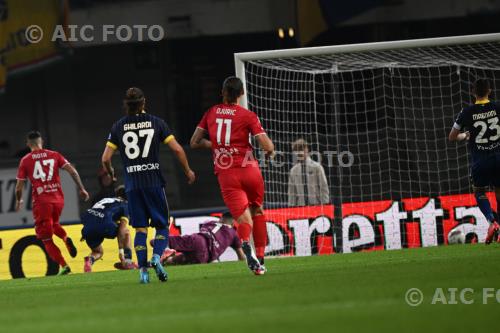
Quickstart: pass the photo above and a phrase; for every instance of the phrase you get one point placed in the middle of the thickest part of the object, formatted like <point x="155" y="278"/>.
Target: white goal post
<point x="375" y="117"/>
<point x="241" y="58"/>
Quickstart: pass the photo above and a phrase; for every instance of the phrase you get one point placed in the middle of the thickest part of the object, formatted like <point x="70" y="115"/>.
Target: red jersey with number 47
<point x="41" y="167"/>
<point x="229" y="127"/>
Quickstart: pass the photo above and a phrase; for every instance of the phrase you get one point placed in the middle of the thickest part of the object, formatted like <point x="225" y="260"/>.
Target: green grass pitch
<point x="338" y="293"/>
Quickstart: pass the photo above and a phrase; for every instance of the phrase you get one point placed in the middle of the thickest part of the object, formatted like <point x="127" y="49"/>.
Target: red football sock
<point x="59" y="231"/>
<point x="54" y="252"/>
<point x="244" y="231"/>
<point x="259" y="235"/>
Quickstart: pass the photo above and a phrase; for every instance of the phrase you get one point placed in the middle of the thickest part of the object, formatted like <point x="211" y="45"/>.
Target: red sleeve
<point x="203" y="122"/>
<point x="254" y="124"/>
<point x="21" y="171"/>
<point x="61" y="161"/>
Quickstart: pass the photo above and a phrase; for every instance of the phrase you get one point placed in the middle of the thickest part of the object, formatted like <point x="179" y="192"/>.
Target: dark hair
<point x="33" y="136"/>
<point x="134" y="100"/>
<point x="232" y="88"/>
<point x="227" y="217"/>
<point x="120" y="192"/>
<point x="481" y="88"/>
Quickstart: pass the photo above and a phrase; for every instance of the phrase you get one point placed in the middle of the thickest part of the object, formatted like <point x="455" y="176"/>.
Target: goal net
<point x="375" y="118"/>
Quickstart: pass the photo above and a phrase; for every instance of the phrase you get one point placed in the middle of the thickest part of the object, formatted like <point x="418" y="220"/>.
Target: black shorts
<point x="485" y="170"/>
<point x="94" y="231"/>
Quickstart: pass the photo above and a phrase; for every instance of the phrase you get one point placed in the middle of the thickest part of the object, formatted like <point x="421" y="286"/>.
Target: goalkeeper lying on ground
<point x="205" y="246"/>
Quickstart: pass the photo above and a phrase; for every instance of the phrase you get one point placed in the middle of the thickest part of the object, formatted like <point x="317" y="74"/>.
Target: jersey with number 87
<point x="138" y="138"/>
<point x="482" y="122"/>
<point x="41" y="167"/>
<point x="229" y="127"/>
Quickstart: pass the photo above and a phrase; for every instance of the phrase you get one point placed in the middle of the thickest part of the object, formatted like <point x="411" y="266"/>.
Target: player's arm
<point x="260" y="135"/>
<point x="265" y="144"/>
<point x="198" y="139"/>
<point x="19" y="193"/>
<point x="236" y="245"/>
<point x="123" y="237"/>
<point x="107" y="155"/>
<point x="456" y="135"/>
<point x="179" y="152"/>
<point x="78" y="181"/>
<point x="240" y="253"/>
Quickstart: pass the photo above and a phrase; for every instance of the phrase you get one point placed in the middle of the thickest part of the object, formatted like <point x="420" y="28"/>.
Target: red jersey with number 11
<point x="41" y="167"/>
<point x="229" y="127"/>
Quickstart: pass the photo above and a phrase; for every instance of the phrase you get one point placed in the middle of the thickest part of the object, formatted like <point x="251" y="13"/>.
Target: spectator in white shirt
<point x="307" y="184"/>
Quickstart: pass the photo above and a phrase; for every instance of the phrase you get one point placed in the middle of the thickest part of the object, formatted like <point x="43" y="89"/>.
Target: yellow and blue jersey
<point x="100" y="221"/>
<point x="482" y="120"/>
<point x="107" y="210"/>
<point x="138" y="139"/>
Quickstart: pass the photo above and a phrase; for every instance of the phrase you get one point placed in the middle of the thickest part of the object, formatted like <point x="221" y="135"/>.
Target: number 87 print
<point x="131" y="141"/>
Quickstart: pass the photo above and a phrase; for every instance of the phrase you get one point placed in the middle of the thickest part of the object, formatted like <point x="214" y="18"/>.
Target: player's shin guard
<point x="54" y="252"/>
<point x="484" y="206"/>
<point x="244" y="231"/>
<point x="141" y="249"/>
<point x="161" y="241"/>
<point x="260" y="236"/>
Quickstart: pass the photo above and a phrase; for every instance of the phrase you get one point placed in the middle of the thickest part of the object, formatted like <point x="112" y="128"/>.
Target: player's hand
<point x="18" y="205"/>
<point x="271" y="154"/>
<point x="84" y="195"/>
<point x="464" y="136"/>
<point x="191" y="176"/>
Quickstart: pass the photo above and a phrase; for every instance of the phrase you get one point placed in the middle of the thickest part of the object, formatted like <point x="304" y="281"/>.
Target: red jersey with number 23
<point x="41" y="167"/>
<point x="229" y="127"/>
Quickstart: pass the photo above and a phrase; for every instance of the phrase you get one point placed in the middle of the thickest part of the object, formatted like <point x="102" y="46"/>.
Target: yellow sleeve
<point x="111" y="145"/>
<point x="123" y="218"/>
<point x="168" y="139"/>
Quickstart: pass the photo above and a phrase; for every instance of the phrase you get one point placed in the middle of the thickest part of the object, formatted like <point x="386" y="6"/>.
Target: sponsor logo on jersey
<point x="143" y="167"/>
<point x="490" y="147"/>
<point x="95" y="213"/>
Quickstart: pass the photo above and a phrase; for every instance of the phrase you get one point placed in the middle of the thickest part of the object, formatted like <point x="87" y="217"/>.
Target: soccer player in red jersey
<point x="229" y="126"/>
<point x="41" y="167"/>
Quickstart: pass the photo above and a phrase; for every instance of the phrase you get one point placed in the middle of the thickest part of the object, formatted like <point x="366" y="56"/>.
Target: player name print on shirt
<point x="38" y="156"/>
<point x="224" y="111"/>
<point x="484" y="115"/>
<point x="136" y="126"/>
